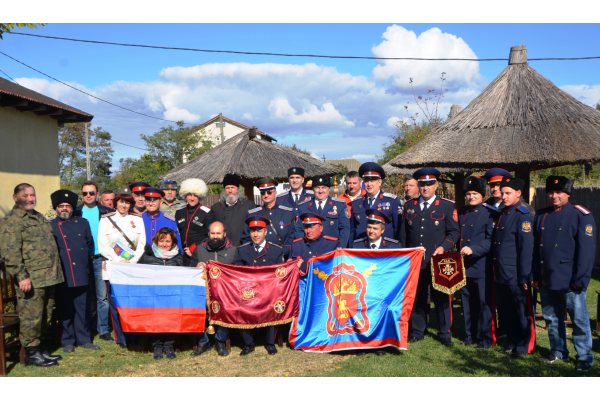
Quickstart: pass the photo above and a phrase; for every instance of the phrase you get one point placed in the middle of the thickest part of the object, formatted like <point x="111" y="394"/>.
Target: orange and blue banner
<point x="156" y="298"/>
<point x="357" y="299"/>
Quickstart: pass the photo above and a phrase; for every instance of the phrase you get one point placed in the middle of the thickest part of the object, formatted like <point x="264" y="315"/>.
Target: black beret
<point x="63" y="196"/>
<point x="296" y="171"/>
<point x="474" y="184"/>
<point x="513" y="183"/>
<point x="231" y="179"/>
<point x="559" y="183"/>
<point x="321" y="180"/>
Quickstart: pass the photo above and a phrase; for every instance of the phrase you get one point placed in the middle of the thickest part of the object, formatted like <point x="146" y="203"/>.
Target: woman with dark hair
<point x="164" y="251"/>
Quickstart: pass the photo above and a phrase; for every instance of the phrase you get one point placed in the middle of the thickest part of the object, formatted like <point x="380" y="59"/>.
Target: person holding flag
<point x="314" y="243"/>
<point x="376" y="221"/>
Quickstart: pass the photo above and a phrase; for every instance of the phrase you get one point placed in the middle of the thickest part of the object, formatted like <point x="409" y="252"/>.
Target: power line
<point x="9" y="77"/>
<point x="128" y="145"/>
<point x="297" y="55"/>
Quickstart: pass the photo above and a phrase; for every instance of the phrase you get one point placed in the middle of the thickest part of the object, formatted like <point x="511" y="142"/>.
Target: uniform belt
<point x="96" y="257"/>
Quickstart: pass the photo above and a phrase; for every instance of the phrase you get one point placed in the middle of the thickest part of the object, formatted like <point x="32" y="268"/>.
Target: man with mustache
<point x="170" y="202"/>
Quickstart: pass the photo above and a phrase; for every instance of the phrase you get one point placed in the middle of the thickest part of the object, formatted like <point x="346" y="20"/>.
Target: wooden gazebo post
<point x="248" y="185"/>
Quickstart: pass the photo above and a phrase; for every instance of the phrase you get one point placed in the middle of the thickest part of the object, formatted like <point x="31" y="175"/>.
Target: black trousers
<point x="71" y="304"/>
<point x="249" y="334"/>
<point x="418" y="318"/>
<point x="477" y="311"/>
<point x="515" y="302"/>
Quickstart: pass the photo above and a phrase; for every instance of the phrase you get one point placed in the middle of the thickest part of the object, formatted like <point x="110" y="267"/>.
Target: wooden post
<point x="221" y="125"/>
<point x="459" y="197"/>
<point x="523" y="173"/>
<point x="248" y="186"/>
<point x="518" y="55"/>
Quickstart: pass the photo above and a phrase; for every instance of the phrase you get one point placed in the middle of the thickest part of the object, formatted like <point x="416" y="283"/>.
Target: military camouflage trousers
<point x="35" y="312"/>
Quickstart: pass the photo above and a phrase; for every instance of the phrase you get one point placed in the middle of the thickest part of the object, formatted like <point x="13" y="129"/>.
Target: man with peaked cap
<point x="259" y="252"/>
<point x="376" y="221"/>
<point x="333" y="209"/>
<point x="493" y="178"/>
<point x="563" y="258"/>
<point x="154" y="219"/>
<point x="232" y="208"/>
<point x="430" y="222"/>
<point x="170" y="202"/>
<point x="512" y="259"/>
<point x="314" y="243"/>
<point x="75" y="246"/>
<point x="372" y="175"/>
<point x="280" y="229"/>
<point x="477" y="220"/>
<point x="297" y="193"/>
<point x="136" y="191"/>
<point x="193" y="219"/>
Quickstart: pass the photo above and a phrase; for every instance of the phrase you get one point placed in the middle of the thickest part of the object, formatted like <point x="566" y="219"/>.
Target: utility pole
<point x="87" y="152"/>
<point x="221" y="125"/>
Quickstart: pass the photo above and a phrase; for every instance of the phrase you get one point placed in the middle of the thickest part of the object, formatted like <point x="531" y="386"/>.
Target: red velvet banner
<point x="448" y="272"/>
<point x="241" y="296"/>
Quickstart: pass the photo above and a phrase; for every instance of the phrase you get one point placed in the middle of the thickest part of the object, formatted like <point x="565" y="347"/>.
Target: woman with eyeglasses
<point x="121" y="238"/>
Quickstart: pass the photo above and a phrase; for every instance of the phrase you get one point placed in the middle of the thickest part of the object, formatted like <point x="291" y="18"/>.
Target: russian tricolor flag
<point x="156" y="298"/>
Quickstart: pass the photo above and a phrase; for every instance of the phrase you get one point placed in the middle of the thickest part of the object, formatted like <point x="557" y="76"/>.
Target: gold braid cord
<point x="454" y="288"/>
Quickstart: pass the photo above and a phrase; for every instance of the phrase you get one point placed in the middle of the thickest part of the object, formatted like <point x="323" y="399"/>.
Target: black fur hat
<point x="513" y="183"/>
<point x="231" y="179"/>
<point x="474" y="184"/>
<point x="560" y="183"/>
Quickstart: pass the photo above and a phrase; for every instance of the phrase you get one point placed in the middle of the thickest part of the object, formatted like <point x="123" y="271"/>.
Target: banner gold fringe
<point x="240" y="326"/>
<point x="454" y="288"/>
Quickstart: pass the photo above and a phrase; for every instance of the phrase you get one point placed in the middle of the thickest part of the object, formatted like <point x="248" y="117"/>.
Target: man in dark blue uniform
<point x="297" y="193"/>
<point x="563" y="258"/>
<point x="154" y="219"/>
<point x="430" y="222"/>
<point x="373" y="175"/>
<point x="513" y="254"/>
<point x="280" y="229"/>
<point x="494" y="177"/>
<point x="136" y="189"/>
<point x="476" y="221"/>
<point x="376" y="222"/>
<point x="75" y="246"/>
<point x="259" y="252"/>
<point x="334" y="210"/>
<point x="314" y="243"/>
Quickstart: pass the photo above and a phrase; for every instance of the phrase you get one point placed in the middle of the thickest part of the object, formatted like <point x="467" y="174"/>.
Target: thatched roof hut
<point x="251" y="158"/>
<point x="520" y="122"/>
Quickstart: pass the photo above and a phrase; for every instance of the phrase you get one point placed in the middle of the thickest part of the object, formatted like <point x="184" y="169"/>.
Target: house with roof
<point x="29" y="123"/>
<point x="212" y="127"/>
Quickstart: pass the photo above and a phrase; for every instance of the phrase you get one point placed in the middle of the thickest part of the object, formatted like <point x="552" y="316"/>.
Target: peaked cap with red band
<point x="309" y="218"/>
<point x="153" y="192"/>
<point x="266" y="184"/>
<point x="257" y="222"/>
<point x="377" y="217"/>
<point x="495" y="175"/>
<point x="371" y="170"/>
<point x="137" y="187"/>
<point x="427" y="175"/>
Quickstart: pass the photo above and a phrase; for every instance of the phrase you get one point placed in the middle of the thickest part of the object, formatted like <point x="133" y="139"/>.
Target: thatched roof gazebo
<point x="520" y="122"/>
<point x="251" y="158"/>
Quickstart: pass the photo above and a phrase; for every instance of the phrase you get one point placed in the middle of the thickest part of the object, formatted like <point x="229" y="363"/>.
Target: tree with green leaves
<point x="296" y="148"/>
<point x="12" y="27"/>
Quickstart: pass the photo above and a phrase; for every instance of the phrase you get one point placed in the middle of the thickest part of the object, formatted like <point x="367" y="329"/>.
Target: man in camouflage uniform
<point x="170" y="202"/>
<point x="29" y="251"/>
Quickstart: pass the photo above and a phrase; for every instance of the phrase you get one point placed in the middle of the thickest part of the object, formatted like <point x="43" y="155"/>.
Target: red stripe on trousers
<point x="532" y="317"/>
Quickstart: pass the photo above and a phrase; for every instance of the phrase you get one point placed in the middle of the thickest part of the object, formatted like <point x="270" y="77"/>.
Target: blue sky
<point x="339" y="108"/>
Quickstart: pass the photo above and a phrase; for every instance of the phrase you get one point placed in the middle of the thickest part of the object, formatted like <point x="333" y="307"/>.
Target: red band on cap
<point x="495" y="179"/>
<point x="427" y="178"/>
<point x="266" y="185"/>
<point x="372" y="173"/>
<point x="257" y="224"/>
<point x="311" y="220"/>
<point x="376" y="217"/>
<point x="138" y="189"/>
<point x="152" y="194"/>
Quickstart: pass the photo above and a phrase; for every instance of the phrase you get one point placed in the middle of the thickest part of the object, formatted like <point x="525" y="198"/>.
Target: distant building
<point x="29" y="124"/>
<point x="230" y="128"/>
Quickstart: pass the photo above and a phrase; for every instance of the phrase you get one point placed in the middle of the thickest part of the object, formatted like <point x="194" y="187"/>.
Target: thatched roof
<point x="521" y="120"/>
<point x="249" y="157"/>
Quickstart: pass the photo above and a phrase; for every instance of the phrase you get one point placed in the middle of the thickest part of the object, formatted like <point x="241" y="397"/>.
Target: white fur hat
<point x="194" y="186"/>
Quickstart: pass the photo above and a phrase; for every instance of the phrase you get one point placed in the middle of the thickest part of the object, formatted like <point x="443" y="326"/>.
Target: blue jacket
<point x="287" y="198"/>
<point x="476" y="231"/>
<point x="335" y="212"/>
<point x="306" y="249"/>
<point x="386" y="244"/>
<point x="75" y="245"/>
<point x="283" y="219"/>
<point x="565" y="247"/>
<point x="387" y="203"/>
<point x="270" y="254"/>
<point x="153" y="223"/>
<point x="438" y="226"/>
<point x="513" y="246"/>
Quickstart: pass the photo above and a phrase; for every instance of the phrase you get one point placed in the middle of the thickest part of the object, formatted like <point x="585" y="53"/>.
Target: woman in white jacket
<point x="112" y="229"/>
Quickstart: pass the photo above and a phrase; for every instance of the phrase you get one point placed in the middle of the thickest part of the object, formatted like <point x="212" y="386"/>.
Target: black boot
<point x="158" y="351"/>
<point x="48" y="356"/>
<point x="33" y="356"/>
<point x="221" y="349"/>
<point x="169" y="351"/>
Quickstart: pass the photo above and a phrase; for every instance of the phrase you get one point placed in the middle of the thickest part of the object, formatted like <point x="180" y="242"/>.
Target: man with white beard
<point x="232" y="208"/>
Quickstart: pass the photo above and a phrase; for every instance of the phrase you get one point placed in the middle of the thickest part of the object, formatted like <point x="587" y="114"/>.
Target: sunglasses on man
<point x="267" y="191"/>
<point x="92" y="193"/>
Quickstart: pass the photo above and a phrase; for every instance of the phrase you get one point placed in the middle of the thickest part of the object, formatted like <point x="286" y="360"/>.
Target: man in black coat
<point x="192" y="219"/>
<point x="430" y="222"/>
<point x="232" y="208"/>
<point x="75" y="245"/>
<point x="476" y="221"/>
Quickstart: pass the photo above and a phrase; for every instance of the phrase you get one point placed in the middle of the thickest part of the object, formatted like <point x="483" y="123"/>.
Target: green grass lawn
<point x="425" y="358"/>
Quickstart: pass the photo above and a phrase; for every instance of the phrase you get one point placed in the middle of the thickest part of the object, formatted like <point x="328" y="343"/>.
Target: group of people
<point x="507" y="248"/>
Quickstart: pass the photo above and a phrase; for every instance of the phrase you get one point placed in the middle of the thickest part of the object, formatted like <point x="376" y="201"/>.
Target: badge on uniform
<point x="410" y="222"/>
<point x="133" y="225"/>
<point x="589" y="230"/>
<point x="526" y="227"/>
<point x="437" y="223"/>
<point x="281" y="224"/>
<point x="331" y="223"/>
<point x="455" y="215"/>
<point x="334" y="209"/>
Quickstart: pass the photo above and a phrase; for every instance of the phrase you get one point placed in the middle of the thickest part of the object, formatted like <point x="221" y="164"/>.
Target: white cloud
<point x="247" y="116"/>
<point x="392" y="121"/>
<point x="178" y="114"/>
<point x="367" y="157"/>
<point x="280" y="108"/>
<point x="372" y="124"/>
<point x="587" y="94"/>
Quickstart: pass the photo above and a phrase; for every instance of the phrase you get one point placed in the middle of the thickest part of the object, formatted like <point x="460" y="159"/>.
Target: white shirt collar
<point x="261" y="246"/>
<point x="374" y="197"/>
<point x="430" y="201"/>
<point x="378" y="243"/>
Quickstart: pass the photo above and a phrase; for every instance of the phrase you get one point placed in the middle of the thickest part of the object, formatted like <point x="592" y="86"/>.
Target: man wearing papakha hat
<point x="334" y="210"/>
<point x="376" y="221"/>
<point x="430" y="222"/>
<point x="512" y="259"/>
<point x="193" y="219"/>
<point x="563" y="258"/>
<point x="75" y="247"/>
<point x="493" y="178"/>
<point x="232" y="208"/>
<point x="154" y="219"/>
<point x="170" y="203"/>
<point x="477" y="220"/>
<point x="280" y="229"/>
<point x="373" y="175"/>
<point x="297" y="193"/>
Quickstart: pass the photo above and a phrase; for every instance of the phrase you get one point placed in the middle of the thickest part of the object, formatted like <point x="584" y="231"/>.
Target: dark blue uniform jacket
<point x="476" y="229"/>
<point x="282" y="218"/>
<point x="386" y="244"/>
<point x="335" y="212"/>
<point x="270" y="254"/>
<point x="287" y="198"/>
<point x="513" y="246"/>
<point x="431" y="229"/>
<point x="565" y="247"/>
<point x="306" y="249"/>
<point x="75" y="245"/>
<point x="387" y="203"/>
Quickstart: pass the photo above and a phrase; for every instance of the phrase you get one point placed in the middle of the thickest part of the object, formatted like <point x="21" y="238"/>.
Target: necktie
<point x="425" y="206"/>
<point x="373" y="245"/>
<point x="371" y="201"/>
<point x="257" y="249"/>
<point x="296" y="198"/>
<point x="320" y="207"/>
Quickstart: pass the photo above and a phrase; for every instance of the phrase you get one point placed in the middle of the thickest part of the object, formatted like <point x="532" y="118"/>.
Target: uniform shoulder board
<point x="181" y="207"/>
<point x="304" y="201"/>
<point x="310" y="192"/>
<point x="169" y="216"/>
<point x="135" y="214"/>
<point x="393" y="196"/>
<point x="283" y="193"/>
<point x="486" y="205"/>
<point x="390" y="240"/>
<point x="338" y="199"/>
<point x="330" y="237"/>
<point x="51" y="219"/>
<point x="358" y="240"/>
<point x="299" y="239"/>
<point x="245" y="244"/>
<point x="111" y="214"/>
<point x="276" y="245"/>
<point x="523" y="210"/>
<point x="254" y="210"/>
<point x="448" y="200"/>
<point x="205" y="209"/>
<point x="286" y="208"/>
<point x="583" y="210"/>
